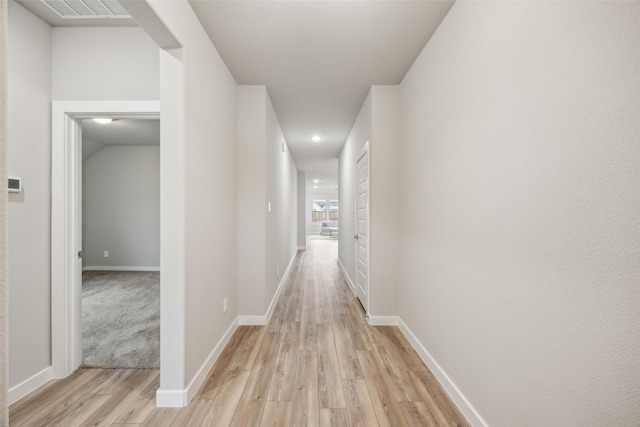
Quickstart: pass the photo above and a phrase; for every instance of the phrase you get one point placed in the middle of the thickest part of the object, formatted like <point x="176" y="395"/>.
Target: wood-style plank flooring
<point x="317" y="363"/>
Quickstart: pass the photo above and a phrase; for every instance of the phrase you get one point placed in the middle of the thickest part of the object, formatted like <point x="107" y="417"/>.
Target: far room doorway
<point x="120" y="293"/>
<point x="322" y="203"/>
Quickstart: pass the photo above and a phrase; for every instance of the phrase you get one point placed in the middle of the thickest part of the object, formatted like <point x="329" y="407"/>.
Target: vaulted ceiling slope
<point x="319" y="58"/>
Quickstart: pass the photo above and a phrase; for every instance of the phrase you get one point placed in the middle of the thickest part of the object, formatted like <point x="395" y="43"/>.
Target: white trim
<point x="346" y="276"/>
<point x="180" y="398"/>
<point x="66" y="233"/>
<point x="302" y="248"/>
<point x="452" y="390"/>
<point x="264" y="320"/>
<point x="118" y="268"/>
<point x="383" y="320"/>
<point x="171" y="398"/>
<point x="30" y="385"/>
<point x="252" y="320"/>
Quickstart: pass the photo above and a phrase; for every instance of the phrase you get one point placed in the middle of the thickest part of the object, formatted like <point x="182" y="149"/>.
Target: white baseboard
<point x="171" y="398"/>
<point x="383" y="320"/>
<point x="263" y="320"/>
<point x="118" y="268"/>
<point x="344" y="272"/>
<point x="252" y="320"/>
<point x="302" y="248"/>
<point x="452" y="390"/>
<point x="180" y="398"/>
<point x="30" y="385"/>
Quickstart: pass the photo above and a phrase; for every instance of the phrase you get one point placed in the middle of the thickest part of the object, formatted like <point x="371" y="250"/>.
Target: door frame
<point x="66" y="219"/>
<point x="364" y="150"/>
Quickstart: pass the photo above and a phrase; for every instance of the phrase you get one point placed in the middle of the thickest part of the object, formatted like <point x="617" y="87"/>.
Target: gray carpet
<point x="121" y="319"/>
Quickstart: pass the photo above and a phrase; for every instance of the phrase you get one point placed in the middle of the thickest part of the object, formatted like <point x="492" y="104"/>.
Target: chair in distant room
<point x="324" y="228"/>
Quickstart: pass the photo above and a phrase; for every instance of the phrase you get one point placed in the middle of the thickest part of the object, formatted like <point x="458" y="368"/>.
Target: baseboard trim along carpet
<point x="180" y="398"/>
<point x="118" y="268"/>
<point x="30" y="385"/>
<point x="450" y="388"/>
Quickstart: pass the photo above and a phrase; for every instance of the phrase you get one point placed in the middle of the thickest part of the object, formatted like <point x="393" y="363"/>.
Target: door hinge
<point x="79" y="254"/>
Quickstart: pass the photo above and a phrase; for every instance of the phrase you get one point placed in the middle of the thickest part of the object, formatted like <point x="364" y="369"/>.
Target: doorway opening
<point x="120" y="291"/>
<point x="66" y="217"/>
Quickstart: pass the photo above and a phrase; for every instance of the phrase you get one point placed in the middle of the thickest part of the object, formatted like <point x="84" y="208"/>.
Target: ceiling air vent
<point x="87" y="9"/>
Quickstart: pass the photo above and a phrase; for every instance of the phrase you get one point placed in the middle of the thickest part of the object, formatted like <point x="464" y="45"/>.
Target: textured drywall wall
<point x="121" y="199"/>
<point x="96" y="63"/>
<point x="359" y="135"/>
<point x="205" y="131"/>
<point x="4" y="220"/>
<point x="384" y="200"/>
<point x="302" y="211"/>
<point x="251" y="199"/>
<point x="378" y="123"/>
<point x="520" y="209"/>
<point x="29" y="80"/>
<point x="281" y="191"/>
<point x="267" y="177"/>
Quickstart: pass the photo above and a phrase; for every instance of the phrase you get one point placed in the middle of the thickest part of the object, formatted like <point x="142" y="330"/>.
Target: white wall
<point x="90" y="147"/>
<point x="70" y="63"/>
<point x="378" y="123"/>
<point x="384" y="200"/>
<point x="198" y="133"/>
<point x="252" y="199"/>
<point x="104" y="63"/>
<point x="302" y="210"/>
<point x="29" y="157"/>
<point x="519" y="242"/>
<point x="267" y="241"/>
<point x="360" y="133"/>
<point x="281" y="191"/>
<point x="121" y="199"/>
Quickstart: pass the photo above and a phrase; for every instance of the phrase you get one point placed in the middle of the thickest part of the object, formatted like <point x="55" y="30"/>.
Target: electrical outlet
<point x="277" y="271"/>
<point x="106" y="254"/>
<point x="225" y="305"/>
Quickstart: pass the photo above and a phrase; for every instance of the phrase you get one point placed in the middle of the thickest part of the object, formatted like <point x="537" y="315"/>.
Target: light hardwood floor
<point x="317" y="363"/>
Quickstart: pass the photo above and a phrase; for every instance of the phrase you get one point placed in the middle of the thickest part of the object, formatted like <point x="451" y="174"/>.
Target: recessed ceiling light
<point x="316" y="138"/>
<point x="315" y="181"/>
<point x="103" y="120"/>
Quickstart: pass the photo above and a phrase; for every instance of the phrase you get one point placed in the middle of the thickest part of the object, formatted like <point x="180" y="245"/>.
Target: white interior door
<point x="362" y="228"/>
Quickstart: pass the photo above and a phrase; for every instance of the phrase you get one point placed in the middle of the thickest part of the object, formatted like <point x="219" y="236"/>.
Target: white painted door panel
<point x="362" y="228"/>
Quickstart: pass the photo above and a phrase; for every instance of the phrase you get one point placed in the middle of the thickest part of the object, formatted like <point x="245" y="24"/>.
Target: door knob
<point x="356" y="236"/>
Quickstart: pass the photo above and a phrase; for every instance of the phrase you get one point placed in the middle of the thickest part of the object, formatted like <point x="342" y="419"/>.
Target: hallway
<point x="317" y="362"/>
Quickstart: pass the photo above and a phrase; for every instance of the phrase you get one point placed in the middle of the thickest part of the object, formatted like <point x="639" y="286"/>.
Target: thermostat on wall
<point x="15" y="184"/>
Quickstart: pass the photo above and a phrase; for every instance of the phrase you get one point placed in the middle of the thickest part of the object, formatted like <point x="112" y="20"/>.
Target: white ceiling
<point x="317" y="58"/>
<point x="123" y="132"/>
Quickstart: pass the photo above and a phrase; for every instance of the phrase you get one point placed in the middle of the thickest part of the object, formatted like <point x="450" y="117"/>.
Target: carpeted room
<point x="121" y="244"/>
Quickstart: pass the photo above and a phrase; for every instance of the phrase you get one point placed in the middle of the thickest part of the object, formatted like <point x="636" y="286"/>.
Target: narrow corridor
<point x="317" y="363"/>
